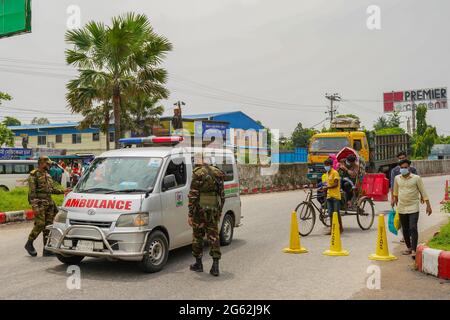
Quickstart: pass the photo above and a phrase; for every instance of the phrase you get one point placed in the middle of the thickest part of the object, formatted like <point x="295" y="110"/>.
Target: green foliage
<point x="41" y="121"/>
<point x="442" y="240"/>
<point x="17" y="199"/>
<point x="423" y="143"/>
<point x="388" y="131"/>
<point x="11" y="121"/>
<point x="421" y="114"/>
<point x="4" y="96"/>
<point x="6" y="136"/>
<point x="393" y="121"/>
<point x="443" y="140"/>
<point x="116" y="64"/>
<point x="301" y="136"/>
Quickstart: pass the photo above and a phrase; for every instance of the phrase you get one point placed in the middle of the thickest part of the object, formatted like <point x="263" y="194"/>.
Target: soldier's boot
<point x="197" y="266"/>
<point x="30" y="248"/>
<point x="215" y="268"/>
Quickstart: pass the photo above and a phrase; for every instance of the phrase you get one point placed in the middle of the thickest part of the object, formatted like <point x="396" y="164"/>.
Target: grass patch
<point x="442" y="240"/>
<point x="17" y="199"/>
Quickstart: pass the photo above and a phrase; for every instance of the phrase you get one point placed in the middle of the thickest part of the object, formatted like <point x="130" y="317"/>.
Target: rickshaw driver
<point x="351" y="170"/>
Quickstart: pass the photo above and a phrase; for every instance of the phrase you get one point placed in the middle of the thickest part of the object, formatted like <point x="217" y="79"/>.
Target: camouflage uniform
<point x="206" y="199"/>
<point x="41" y="186"/>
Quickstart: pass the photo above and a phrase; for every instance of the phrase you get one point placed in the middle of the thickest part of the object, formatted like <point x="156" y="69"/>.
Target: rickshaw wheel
<point x="365" y="213"/>
<point x="306" y="218"/>
<point x="324" y="217"/>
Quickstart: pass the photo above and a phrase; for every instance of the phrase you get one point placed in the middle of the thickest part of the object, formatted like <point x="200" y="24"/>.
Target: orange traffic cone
<point x="382" y="252"/>
<point x="294" y="243"/>
<point x="335" y="242"/>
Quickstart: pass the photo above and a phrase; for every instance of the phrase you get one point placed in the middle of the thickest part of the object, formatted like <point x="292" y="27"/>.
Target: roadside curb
<point x="16" y="216"/>
<point x="269" y="189"/>
<point x="433" y="261"/>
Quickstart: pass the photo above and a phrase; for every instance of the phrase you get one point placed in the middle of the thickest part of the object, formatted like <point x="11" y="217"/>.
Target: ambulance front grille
<point x="99" y="224"/>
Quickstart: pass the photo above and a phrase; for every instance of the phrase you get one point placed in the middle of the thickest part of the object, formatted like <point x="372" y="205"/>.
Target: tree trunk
<point x="117" y="125"/>
<point x="106" y="124"/>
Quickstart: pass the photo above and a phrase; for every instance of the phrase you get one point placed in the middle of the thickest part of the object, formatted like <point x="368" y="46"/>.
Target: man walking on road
<point x="395" y="172"/>
<point x="41" y="187"/>
<point x="206" y="200"/>
<point x="333" y="190"/>
<point x="408" y="193"/>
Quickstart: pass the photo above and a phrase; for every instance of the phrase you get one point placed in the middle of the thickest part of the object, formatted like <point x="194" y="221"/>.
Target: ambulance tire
<point x="227" y="230"/>
<point x="158" y="245"/>
<point x="69" y="260"/>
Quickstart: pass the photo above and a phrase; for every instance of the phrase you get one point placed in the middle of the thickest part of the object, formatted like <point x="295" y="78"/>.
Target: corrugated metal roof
<point x="207" y="115"/>
<point x="44" y="126"/>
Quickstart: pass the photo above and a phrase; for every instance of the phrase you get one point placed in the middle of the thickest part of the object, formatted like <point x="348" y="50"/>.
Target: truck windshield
<point x="109" y="175"/>
<point x="329" y="144"/>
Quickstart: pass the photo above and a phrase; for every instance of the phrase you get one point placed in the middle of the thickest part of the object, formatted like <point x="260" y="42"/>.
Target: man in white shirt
<point x="408" y="192"/>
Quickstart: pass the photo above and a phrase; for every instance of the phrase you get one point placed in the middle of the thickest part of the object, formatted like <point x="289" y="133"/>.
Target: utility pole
<point x="333" y="110"/>
<point x="413" y="118"/>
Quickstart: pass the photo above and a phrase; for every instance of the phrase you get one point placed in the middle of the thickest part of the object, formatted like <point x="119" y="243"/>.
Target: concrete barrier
<point x="432" y="167"/>
<point x="287" y="177"/>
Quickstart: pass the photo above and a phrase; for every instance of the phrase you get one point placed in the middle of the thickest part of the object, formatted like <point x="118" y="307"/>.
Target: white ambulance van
<point x="15" y="173"/>
<point x="132" y="204"/>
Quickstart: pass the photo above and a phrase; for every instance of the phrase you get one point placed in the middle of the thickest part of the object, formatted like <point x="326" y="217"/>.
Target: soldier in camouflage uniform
<point x="206" y="200"/>
<point x="41" y="186"/>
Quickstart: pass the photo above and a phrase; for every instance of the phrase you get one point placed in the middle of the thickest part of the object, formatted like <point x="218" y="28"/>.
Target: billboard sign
<point x="15" y="17"/>
<point x="433" y="99"/>
<point x="15" y="153"/>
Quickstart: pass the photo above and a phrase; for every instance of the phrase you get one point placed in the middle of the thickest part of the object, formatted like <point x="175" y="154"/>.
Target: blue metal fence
<point x="298" y="155"/>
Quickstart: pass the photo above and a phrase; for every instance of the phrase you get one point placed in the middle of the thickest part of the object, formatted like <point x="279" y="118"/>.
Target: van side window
<point x="21" y="169"/>
<point x="2" y="169"/>
<point x="227" y="168"/>
<point x="178" y="169"/>
<point x="357" y="145"/>
<point x="8" y="169"/>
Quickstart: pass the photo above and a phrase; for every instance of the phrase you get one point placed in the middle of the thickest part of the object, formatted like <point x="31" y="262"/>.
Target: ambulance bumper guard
<point x="108" y="252"/>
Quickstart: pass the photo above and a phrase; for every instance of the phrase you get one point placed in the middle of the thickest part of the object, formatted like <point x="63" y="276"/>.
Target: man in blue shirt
<point x="396" y="171"/>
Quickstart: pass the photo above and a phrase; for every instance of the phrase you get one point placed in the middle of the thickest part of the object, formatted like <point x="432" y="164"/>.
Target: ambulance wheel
<point x="227" y="230"/>
<point x="156" y="252"/>
<point x="69" y="260"/>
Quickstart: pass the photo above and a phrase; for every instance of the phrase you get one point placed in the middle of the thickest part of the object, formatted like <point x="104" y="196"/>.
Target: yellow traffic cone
<point x="382" y="252"/>
<point x="294" y="243"/>
<point x="335" y="242"/>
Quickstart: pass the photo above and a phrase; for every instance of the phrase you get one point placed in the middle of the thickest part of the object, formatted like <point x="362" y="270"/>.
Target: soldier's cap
<point x="44" y="159"/>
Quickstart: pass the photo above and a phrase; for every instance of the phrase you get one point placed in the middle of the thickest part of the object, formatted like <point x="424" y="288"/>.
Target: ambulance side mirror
<point x="169" y="182"/>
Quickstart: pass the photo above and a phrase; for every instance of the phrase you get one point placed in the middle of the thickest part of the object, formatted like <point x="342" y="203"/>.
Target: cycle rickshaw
<point x="360" y="206"/>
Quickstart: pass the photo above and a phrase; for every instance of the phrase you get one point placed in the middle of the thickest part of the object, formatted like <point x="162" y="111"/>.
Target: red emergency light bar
<point x="151" y="139"/>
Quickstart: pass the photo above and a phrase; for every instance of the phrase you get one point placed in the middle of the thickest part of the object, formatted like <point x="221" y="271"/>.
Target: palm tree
<point x="143" y="114"/>
<point x="125" y="58"/>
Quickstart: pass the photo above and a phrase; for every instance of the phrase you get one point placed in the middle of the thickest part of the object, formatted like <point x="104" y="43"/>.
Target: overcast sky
<point x="274" y="60"/>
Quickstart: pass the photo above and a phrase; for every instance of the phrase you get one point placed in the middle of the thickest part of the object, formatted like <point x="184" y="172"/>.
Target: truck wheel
<point x="227" y="230"/>
<point x="156" y="252"/>
<point x="3" y="188"/>
<point x="69" y="260"/>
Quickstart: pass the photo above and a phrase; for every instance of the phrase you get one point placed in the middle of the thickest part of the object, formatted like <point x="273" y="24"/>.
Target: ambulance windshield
<point x="108" y="175"/>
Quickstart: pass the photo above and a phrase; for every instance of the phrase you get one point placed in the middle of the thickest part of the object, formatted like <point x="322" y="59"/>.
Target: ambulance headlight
<point x="133" y="220"/>
<point x="61" y="216"/>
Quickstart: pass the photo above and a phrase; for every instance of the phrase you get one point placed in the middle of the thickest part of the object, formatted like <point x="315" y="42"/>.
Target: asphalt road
<point x="252" y="267"/>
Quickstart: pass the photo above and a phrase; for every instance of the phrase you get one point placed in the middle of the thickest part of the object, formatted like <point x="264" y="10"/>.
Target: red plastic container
<point x="376" y="186"/>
